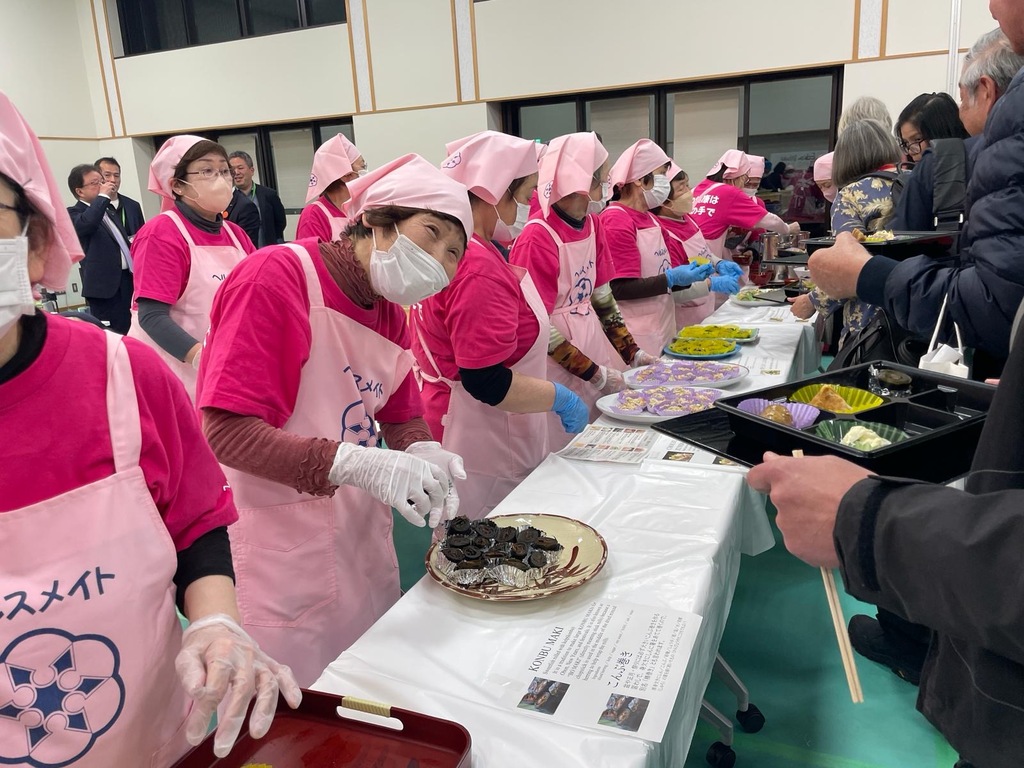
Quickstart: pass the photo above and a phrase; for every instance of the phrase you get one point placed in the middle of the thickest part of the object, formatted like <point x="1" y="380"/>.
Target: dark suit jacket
<point x="272" y="214"/>
<point x="133" y="219"/>
<point x="243" y="212"/>
<point x="101" y="267"/>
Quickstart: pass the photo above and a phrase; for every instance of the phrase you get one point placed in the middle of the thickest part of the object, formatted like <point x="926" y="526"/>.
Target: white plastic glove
<point x="449" y="463"/>
<point x="641" y="359"/>
<point x="608" y="380"/>
<point x="416" y="488"/>
<point x="222" y="668"/>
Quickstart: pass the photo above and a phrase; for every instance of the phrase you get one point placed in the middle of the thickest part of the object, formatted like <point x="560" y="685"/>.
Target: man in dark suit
<point x="125" y="210"/>
<point x="243" y="212"/>
<point x="107" y="281"/>
<point x="272" y="216"/>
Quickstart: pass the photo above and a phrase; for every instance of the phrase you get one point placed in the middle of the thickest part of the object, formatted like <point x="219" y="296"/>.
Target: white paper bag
<point x="942" y="358"/>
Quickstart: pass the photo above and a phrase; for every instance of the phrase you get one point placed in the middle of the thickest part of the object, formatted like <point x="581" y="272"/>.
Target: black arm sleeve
<point x="209" y="555"/>
<point x="155" y="319"/>
<point x="626" y="288"/>
<point x="488" y="385"/>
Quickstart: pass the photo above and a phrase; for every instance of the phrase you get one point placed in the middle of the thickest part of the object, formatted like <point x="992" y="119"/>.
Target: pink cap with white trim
<point x="488" y="162"/>
<point x="637" y="161"/>
<point x="161" y="170"/>
<point x="331" y="162"/>
<point x="568" y="167"/>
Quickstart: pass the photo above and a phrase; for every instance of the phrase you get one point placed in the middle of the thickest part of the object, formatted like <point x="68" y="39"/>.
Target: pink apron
<point x="87" y="651"/>
<point x="499" y="449"/>
<point x="575" y="318"/>
<point x="337" y="223"/>
<point x="210" y="265"/>
<point x="314" y="573"/>
<point x="693" y="312"/>
<point x="652" y="321"/>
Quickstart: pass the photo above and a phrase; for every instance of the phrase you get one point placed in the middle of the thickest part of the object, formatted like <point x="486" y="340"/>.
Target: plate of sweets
<point x="685" y="373"/>
<point x="721" y="332"/>
<point x="700" y="349"/>
<point x="649" y="406"/>
<point x="516" y="557"/>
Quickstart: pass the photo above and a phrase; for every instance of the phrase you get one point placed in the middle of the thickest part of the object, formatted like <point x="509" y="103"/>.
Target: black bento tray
<point x="943" y="418"/>
<point x="904" y="246"/>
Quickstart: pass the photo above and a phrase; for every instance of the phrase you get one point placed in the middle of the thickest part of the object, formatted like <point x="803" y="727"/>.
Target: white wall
<point x="386" y="135"/>
<point x="895" y="82"/>
<point x="277" y="78"/>
<point x="915" y="26"/>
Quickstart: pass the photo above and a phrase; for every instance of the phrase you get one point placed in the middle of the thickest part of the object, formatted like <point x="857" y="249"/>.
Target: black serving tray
<point x="943" y="417"/>
<point x="904" y="246"/>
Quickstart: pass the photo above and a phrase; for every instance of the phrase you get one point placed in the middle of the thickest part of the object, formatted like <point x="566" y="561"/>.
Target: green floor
<point x="780" y="641"/>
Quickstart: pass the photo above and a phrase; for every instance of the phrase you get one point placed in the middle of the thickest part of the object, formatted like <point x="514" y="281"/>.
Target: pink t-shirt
<point x="723" y="207"/>
<point x="619" y="226"/>
<point x="57" y="436"/>
<point x="481" y="319"/>
<point x="162" y="260"/>
<point x="683" y="229"/>
<point x="537" y="253"/>
<point x="260" y="337"/>
<point x="313" y="222"/>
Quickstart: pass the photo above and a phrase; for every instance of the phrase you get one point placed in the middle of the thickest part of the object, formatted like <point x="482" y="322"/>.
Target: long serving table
<point x="675" y="533"/>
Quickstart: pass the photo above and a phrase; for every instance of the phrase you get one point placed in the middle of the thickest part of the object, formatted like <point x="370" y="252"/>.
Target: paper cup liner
<point x="468" y="577"/>
<point x="803" y="414"/>
<point x="858" y="399"/>
<point x="836" y="429"/>
<point x="685" y="401"/>
<point x="629" y="402"/>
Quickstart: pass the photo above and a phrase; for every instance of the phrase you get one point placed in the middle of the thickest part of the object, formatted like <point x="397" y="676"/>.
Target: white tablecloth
<point x="675" y="533"/>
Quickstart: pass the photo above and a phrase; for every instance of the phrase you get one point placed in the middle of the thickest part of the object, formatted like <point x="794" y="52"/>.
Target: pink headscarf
<point x="161" y="170"/>
<point x="487" y="163"/>
<point x="331" y="162"/>
<point x="568" y="167"/>
<point x="673" y="170"/>
<point x="637" y="161"/>
<point x="755" y="166"/>
<point x="823" y="167"/>
<point x="734" y="162"/>
<point x="23" y="161"/>
<point x="412" y="182"/>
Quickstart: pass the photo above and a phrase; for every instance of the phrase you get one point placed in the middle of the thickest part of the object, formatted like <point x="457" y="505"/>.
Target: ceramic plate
<point x="777" y="294"/>
<point x="606" y="405"/>
<point x="583" y="555"/>
<point x="683" y="373"/>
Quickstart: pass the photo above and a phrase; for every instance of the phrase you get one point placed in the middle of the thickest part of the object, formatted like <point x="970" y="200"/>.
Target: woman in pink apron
<point x="182" y="256"/>
<point x="589" y="345"/>
<point x="306" y="368"/>
<point x="644" y="279"/>
<point x="336" y="163"/>
<point x="481" y="344"/>
<point x="123" y="516"/>
<point x="686" y="244"/>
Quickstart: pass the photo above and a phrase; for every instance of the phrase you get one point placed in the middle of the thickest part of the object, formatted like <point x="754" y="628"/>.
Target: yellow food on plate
<point x="715" y="332"/>
<point x="881" y="236"/>
<point x="829" y="400"/>
<point x="778" y="413"/>
<point x="702" y="347"/>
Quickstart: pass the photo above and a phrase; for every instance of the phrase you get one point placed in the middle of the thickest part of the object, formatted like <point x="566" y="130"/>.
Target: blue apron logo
<point x="357" y="427"/>
<point x="64" y="690"/>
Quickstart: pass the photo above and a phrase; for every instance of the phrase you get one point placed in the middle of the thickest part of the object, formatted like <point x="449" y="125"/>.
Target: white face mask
<point x="363" y="171"/>
<point x="596" y="206"/>
<point x="659" y="193"/>
<point x="749" y="192"/>
<point x="16" y="298"/>
<point x="405" y="273"/>
<point x="506" y="233"/>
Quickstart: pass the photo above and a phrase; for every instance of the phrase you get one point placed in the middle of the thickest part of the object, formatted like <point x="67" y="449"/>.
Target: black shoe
<point x="870" y="641"/>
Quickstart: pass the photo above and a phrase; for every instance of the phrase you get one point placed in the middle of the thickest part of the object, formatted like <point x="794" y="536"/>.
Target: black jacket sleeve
<point x="245" y="214"/>
<point x="89" y="220"/>
<point x="280" y="219"/>
<point x="914" y="212"/>
<point x="937" y="556"/>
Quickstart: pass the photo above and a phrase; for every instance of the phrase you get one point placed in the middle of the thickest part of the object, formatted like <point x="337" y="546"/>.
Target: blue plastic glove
<point x="725" y="284"/>
<point x="570" y="409"/>
<point x="729" y="268"/>
<point x="687" y="274"/>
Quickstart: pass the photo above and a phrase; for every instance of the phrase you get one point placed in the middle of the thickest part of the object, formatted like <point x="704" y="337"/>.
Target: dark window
<point x="163" y="25"/>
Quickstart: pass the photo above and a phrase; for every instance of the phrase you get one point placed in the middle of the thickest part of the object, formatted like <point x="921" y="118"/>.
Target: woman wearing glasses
<point x="928" y="117"/>
<point x="182" y="256"/>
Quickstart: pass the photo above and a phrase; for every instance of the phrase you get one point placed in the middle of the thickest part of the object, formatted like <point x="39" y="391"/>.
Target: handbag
<point x="942" y="358"/>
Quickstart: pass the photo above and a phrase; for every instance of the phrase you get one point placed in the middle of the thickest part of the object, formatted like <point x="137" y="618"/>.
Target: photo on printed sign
<point x="677" y="456"/>
<point x="625" y="712"/>
<point x="543" y="696"/>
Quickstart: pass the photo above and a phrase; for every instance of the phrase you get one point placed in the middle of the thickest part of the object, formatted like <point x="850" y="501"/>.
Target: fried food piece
<point x="829" y="400"/>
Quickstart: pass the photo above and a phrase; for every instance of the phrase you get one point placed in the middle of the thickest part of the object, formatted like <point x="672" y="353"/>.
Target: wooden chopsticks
<point x="839" y="624"/>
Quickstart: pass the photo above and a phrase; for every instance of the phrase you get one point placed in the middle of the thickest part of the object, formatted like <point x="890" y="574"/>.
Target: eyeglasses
<point x="12" y="208"/>
<point x="92" y="184"/>
<point x="912" y="147"/>
<point x="209" y="173"/>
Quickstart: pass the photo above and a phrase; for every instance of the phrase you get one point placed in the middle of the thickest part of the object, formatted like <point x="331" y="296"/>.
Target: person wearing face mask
<point x="183" y="255"/>
<point x="481" y="344"/>
<point x="559" y="248"/>
<point x="720" y="203"/>
<point x="645" y="280"/>
<point x="112" y="511"/>
<point x="686" y="245"/>
<point x="305" y="368"/>
<point x="337" y="162"/>
<point x="823" y="178"/>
